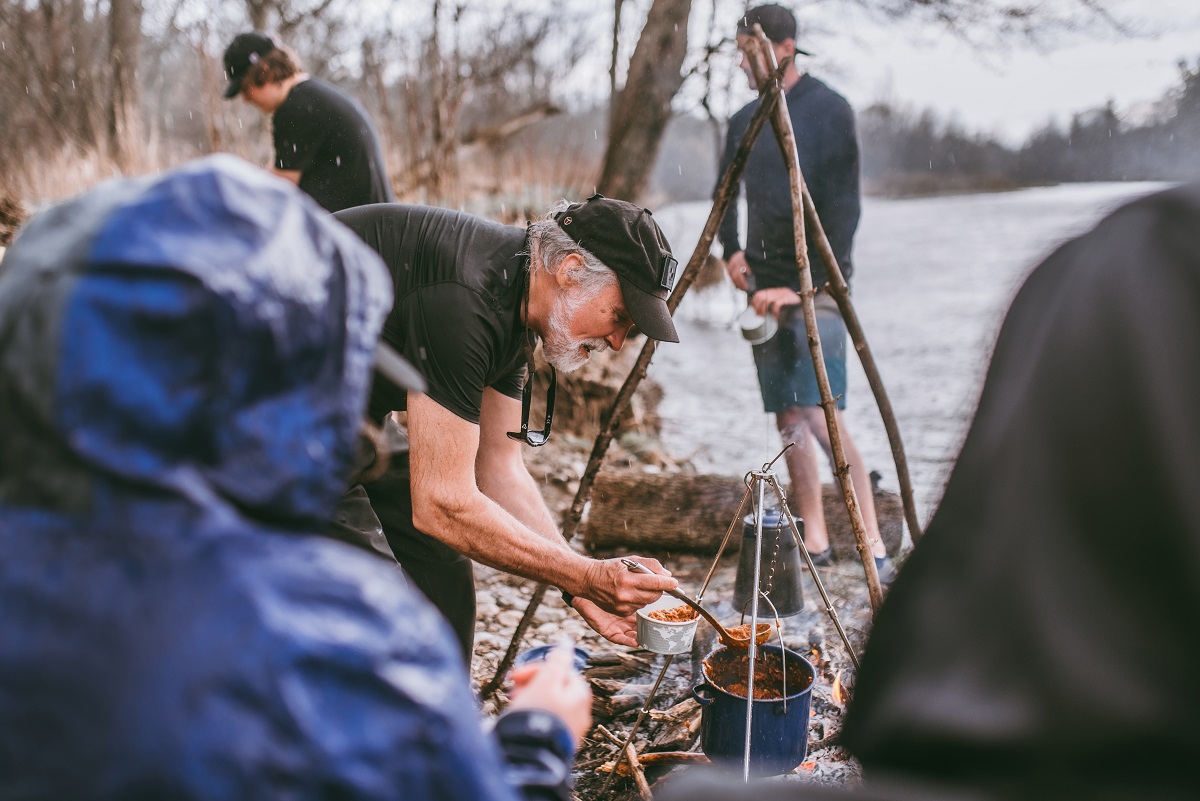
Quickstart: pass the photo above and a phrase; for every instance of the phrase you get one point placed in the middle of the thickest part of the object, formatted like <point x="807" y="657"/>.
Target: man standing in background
<point x="324" y="140"/>
<point x="766" y="268"/>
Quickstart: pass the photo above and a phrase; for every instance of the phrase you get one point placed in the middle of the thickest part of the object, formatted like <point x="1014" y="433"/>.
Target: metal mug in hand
<point x="756" y="329"/>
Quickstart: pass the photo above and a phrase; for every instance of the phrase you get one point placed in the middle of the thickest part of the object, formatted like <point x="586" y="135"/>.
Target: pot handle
<point x="700" y="693"/>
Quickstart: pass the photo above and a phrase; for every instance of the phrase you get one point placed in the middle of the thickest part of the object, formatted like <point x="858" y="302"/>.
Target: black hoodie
<point x="1043" y="640"/>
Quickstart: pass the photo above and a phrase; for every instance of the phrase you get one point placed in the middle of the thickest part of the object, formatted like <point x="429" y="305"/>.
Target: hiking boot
<point x="822" y="558"/>
<point x="886" y="569"/>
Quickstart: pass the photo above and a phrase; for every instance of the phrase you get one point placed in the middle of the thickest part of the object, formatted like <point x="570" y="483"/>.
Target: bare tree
<point x="612" y="64"/>
<point x="643" y="108"/>
<point x="125" y="128"/>
<point x="284" y="15"/>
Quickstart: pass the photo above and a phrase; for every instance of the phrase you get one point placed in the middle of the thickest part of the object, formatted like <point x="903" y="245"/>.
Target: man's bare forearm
<point x="518" y="494"/>
<point x="492" y="534"/>
<point x="453" y="502"/>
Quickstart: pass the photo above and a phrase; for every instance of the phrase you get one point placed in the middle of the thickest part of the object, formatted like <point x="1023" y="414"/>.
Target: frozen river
<point x="933" y="278"/>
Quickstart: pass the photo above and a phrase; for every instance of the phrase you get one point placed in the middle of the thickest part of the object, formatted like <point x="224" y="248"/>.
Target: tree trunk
<point x="691" y="512"/>
<point x="125" y="107"/>
<point x="612" y="64"/>
<point x="258" y="11"/>
<point x="644" y="106"/>
<point x="440" y="179"/>
<point x="89" y="120"/>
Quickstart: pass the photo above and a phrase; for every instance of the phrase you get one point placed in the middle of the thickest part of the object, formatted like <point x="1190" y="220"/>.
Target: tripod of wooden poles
<point x="772" y="106"/>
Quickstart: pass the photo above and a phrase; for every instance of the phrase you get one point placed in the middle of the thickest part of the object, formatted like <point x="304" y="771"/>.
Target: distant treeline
<point x="907" y="152"/>
<point x="913" y="152"/>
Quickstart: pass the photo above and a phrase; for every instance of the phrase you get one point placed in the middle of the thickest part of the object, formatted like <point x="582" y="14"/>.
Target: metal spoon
<point x="727" y="638"/>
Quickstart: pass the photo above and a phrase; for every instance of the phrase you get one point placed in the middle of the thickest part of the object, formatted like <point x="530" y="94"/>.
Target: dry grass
<point x="507" y="185"/>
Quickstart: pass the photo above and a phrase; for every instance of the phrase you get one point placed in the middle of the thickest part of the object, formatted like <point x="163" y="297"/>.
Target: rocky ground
<point x="622" y="677"/>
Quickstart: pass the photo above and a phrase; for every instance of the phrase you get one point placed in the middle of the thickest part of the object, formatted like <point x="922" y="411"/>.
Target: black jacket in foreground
<point x="1041" y="640"/>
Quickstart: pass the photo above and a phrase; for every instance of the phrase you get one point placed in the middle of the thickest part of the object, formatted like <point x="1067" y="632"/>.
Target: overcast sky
<point x="1005" y="89"/>
<point x="1012" y="91"/>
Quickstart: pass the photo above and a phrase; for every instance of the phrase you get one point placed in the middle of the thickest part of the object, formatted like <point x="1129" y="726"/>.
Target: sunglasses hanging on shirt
<point x="535" y="438"/>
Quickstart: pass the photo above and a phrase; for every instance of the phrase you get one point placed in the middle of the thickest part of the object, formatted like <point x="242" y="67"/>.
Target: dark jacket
<point x="183" y="369"/>
<point x="1041" y="640"/>
<point x="827" y="144"/>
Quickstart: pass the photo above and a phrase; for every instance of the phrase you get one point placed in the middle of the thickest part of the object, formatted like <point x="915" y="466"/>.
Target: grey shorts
<point x="786" y="376"/>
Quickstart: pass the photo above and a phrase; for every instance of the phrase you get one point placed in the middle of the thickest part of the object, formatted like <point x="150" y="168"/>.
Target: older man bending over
<point x="472" y="299"/>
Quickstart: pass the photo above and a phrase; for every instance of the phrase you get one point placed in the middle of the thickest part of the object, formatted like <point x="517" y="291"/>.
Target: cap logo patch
<point x="566" y="220"/>
<point x="669" y="267"/>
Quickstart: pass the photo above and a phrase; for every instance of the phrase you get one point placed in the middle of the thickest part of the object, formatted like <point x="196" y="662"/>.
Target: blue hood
<point x="184" y="363"/>
<point x="212" y="335"/>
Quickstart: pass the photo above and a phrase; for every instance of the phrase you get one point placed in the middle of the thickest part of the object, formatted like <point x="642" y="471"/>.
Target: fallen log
<point x="690" y="512"/>
<point x="610" y="665"/>
<point x="613" y="698"/>
<point x="680" y="726"/>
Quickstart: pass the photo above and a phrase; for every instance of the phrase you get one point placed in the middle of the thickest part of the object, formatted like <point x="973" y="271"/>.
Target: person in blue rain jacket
<point x="184" y="364"/>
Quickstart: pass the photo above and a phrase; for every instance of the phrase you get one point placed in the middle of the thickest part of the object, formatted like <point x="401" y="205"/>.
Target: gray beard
<point x="563" y="352"/>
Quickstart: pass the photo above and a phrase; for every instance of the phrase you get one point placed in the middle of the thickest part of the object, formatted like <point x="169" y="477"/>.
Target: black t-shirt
<point x="328" y="137"/>
<point x="459" y="282"/>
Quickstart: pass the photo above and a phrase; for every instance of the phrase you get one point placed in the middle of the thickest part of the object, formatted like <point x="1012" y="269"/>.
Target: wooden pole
<point x="724" y="195"/>
<point x="839" y="290"/>
<point x="639" y="775"/>
<point x="758" y="49"/>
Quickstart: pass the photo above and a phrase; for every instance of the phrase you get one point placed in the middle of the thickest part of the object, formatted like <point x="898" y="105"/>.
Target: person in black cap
<point x="766" y="268"/>
<point x="472" y="298"/>
<point x="324" y="140"/>
<point x="184" y="366"/>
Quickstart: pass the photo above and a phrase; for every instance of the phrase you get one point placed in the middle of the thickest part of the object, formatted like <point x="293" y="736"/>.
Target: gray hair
<point x="549" y="245"/>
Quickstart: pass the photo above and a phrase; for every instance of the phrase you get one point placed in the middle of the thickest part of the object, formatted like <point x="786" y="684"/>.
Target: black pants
<point x="445" y="576"/>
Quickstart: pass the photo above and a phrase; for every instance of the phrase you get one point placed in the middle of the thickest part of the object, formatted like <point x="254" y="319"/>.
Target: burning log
<point x="639" y="775"/>
<point x="630" y="766"/>
<point x="616" y="665"/>
<point x="664" y="759"/>
<point x="829" y="741"/>
<point x="681" y="725"/>
<point x="613" y="698"/>
<point x="691" y="512"/>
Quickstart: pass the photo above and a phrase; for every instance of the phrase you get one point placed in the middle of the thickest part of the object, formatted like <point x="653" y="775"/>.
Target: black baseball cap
<point x="243" y="51"/>
<point x="628" y="241"/>
<point x="777" y="22"/>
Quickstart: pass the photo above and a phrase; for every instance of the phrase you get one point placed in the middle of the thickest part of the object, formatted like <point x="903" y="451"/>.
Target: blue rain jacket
<point x="184" y="363"/>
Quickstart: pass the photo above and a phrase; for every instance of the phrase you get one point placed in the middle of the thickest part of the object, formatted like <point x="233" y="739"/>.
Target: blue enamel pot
<point x="778" y="723"/>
